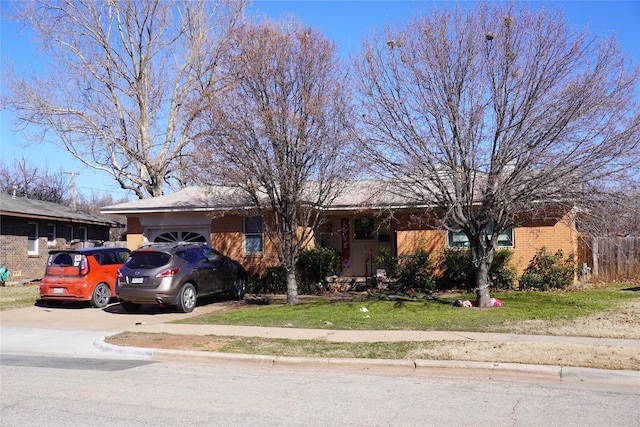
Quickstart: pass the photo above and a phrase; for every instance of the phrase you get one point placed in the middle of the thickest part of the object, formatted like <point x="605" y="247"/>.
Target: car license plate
<point x="58" y="290"/>
<point x="137" y="280"/>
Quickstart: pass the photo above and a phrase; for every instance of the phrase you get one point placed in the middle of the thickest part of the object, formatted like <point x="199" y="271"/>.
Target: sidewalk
<point x="445" y="367"/>
<point x="90" y="327"/>
<point x="372" y="336"/>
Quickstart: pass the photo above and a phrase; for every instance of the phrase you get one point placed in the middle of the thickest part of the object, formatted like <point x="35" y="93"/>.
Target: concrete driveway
<point x="79" y="316"/>
<point x="72" y="329"/>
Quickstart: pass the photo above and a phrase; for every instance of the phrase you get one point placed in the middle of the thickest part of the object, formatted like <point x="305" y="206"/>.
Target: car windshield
<point x="148" y="260"/>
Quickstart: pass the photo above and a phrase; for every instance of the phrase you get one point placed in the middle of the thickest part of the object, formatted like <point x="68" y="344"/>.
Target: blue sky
<point x="346" y="22"/>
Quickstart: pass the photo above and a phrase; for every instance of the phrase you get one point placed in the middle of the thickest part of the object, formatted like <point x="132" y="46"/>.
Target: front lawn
<point x="18" y="296"/>
<point x="423" y="314"/>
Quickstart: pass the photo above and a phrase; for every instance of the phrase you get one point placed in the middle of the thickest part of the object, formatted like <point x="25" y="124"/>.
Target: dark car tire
<point x="187" y="298"/>
<point x="130" y="307"/>
<point x="101" y="296"/>
<point x="239" y="288"/>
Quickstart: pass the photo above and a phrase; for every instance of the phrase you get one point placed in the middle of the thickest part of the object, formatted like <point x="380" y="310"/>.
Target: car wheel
<point x="239" y="288"/>
<point x="187" y="298"/>
<point x="101" y="296"/>
<point x="130" y="307"/>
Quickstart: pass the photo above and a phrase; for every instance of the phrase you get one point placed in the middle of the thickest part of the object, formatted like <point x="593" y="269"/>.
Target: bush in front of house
<point x="547" y="271"/>
<point x="410" y="272"/>
<point x="413" y="272"/>
<point x="502" y="274"/>
<point x="272" y="281"/>
<point x="388" y="261"/>
<point x="315" y="265"/>
<point x="457" y="271"/>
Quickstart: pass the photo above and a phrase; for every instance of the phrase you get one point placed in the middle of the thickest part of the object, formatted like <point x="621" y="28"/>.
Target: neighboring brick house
<point x="29" y="229"/>
<point x="353" y="226"/>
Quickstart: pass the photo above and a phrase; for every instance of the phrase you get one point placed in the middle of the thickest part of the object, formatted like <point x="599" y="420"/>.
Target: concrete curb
<point x="591" y="375"/>
<point x="549" y="372"/>
<point x="100" y="344"/>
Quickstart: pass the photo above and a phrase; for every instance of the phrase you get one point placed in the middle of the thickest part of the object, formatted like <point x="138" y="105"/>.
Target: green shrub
<point x="389" y="262"/>
<point x="458" y="274"/>
<point x="415" y="271"/>
<point x="546" y="271"/>
<point x="502" y="274"/>
<point x="315" y="265"/>
<point x="457" y="270"/>
<point x="272" y="281"/>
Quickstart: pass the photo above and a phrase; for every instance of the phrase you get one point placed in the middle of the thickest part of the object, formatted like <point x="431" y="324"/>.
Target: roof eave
<point x="60" y="219"/>
<point x="173" y="210"/>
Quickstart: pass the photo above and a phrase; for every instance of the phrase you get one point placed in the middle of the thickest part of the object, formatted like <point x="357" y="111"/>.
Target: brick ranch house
<point x="29" y="229"/>
<point x="353" y="226"/>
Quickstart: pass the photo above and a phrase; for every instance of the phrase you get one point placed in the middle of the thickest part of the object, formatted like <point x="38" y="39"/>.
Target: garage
<point x="195" y="235"/>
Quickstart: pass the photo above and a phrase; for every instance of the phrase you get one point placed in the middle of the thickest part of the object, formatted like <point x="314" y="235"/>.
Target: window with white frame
<point x="253" y="241"/>
<point x="51" y="234"/>
<point x="32" y="238"/>
<point x="460" y="239"/>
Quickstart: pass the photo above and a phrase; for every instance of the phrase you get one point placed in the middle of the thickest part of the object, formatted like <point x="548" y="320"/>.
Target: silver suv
<point x="177" y="274"/>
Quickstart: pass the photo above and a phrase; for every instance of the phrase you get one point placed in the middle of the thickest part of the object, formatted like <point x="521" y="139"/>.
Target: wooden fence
<point x="614" y="258"/>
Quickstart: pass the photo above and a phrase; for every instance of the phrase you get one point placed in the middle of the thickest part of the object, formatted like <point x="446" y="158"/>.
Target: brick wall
<point x="135" y="239"/>
<point x="556" y="236"/>
<point x="553" y="235"/>
<point x="227" y="236"/>
<point x="411" y="234"/>
<point x="13" y="255"/>
<point x="14" y="243"/>
<point x="409" y="241"/>
<point x="133" y="225"/>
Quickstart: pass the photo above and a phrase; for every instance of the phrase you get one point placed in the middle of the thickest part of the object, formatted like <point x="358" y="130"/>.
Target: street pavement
<point x="77" y="330"/>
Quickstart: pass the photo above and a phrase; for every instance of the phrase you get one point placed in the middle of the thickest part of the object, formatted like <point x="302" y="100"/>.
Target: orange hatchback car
<point x="87" y="274"/>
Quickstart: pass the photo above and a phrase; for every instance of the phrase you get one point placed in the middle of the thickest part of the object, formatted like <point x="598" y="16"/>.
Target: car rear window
<point x="148" y="260"/>
<point x="62" y="259"/>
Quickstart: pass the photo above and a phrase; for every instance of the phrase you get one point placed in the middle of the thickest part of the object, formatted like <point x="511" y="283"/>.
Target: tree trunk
<point x="482" y="258"/>
<point x="154" y="184"/>
<point x="292" y="287"/>
<point x="595" y="270"/>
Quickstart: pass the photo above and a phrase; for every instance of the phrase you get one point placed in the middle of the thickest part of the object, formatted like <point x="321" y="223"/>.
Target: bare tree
<point x="492" y="113"/>
<point x="92" y="202"/>
<point x="120" y="76"/>
<point x="279" y="133"/>
<point x="611" y="213"/>
<point x="29" y="181"/>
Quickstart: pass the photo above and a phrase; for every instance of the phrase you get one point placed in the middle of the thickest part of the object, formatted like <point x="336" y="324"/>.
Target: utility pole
<point x="73" y="188"/>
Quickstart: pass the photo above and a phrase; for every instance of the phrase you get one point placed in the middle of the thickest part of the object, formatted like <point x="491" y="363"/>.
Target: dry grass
<point x="621" y="322"/>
